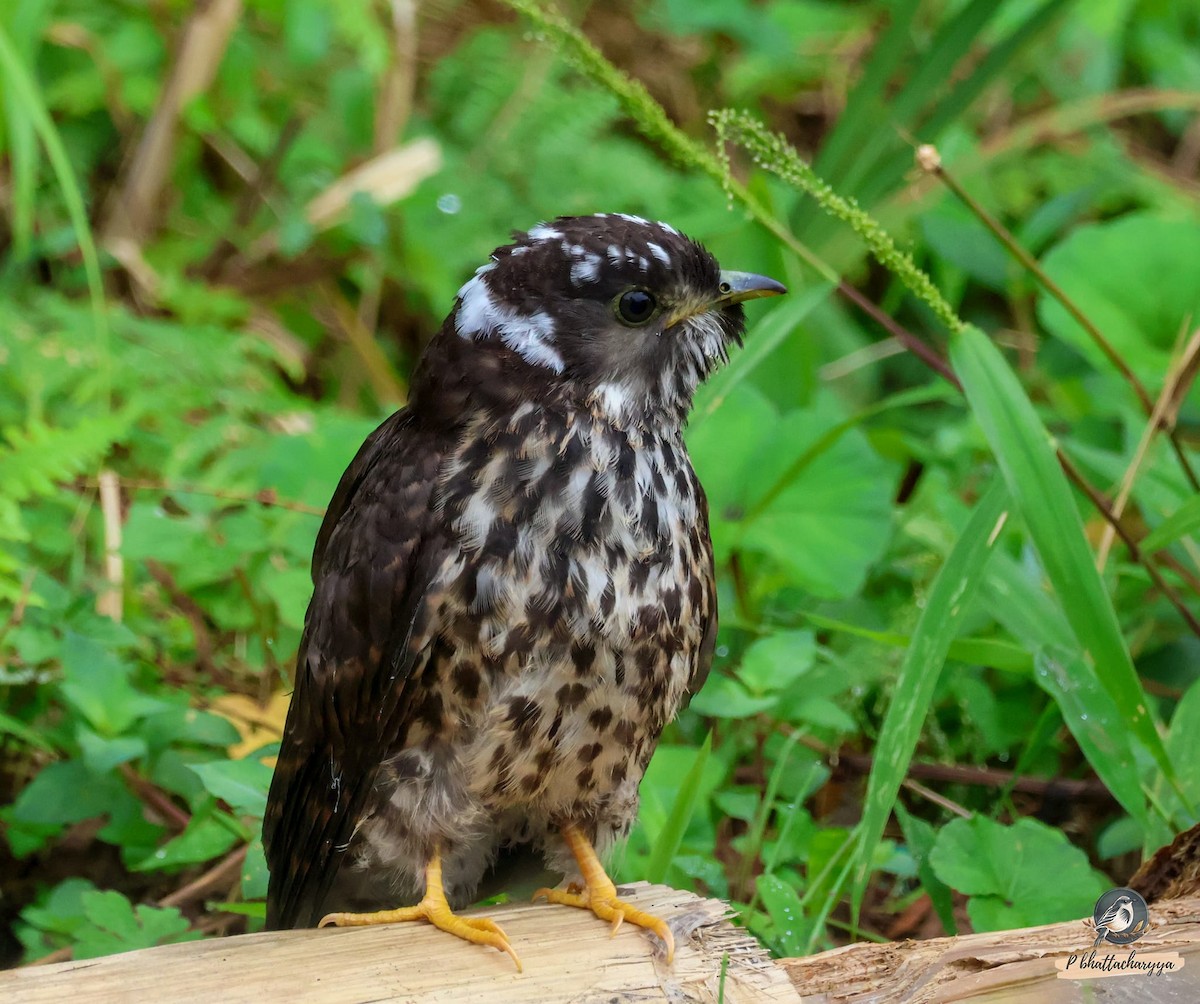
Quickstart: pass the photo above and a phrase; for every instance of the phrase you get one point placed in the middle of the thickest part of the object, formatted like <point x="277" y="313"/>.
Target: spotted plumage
<point x="514" y="580"/>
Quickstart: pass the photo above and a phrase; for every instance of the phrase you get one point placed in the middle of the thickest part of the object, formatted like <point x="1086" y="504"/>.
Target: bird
<point x="1116" y="919"/>
<point x="513" y="590"/>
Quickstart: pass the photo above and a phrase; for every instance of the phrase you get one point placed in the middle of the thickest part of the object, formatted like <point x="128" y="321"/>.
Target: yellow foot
<point x="600" y="895"/>
<point x="436" y="910"/>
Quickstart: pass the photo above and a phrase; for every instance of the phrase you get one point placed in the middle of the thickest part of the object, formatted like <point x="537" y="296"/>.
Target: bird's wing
<point x="368" y="629"/>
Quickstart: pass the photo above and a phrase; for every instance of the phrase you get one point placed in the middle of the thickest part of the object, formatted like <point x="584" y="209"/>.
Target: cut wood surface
<point x="567" y="954"/>
<point x="1005" y="966"/>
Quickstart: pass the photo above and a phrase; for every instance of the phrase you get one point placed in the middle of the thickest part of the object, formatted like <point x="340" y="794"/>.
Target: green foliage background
<point x="924" y="694"/>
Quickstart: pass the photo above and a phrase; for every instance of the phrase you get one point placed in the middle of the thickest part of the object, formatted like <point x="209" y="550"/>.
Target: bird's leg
<point x="436" y="909"/>
<point x="599" y="894"/>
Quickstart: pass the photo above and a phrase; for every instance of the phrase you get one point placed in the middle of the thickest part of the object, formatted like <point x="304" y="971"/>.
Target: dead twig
<point x="218" y="878"/>
<point x="155" y="799"/>
<point x="133" y="208"/>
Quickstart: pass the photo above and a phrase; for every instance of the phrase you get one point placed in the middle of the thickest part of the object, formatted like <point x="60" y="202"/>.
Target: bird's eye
<point x="636" y="306"/>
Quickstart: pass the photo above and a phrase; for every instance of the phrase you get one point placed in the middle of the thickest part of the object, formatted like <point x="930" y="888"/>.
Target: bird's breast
<point x="576" y="603"/>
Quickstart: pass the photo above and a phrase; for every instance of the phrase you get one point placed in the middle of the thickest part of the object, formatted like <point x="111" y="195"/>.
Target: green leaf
<point x="945" y="611"/>
<point x="101" y="755"/>
<point x="789" y="923"/>
<point x="205" y="838"/>
<point x="242" y="784"/>
<point x="777" y="661"/>
<point x="1089" y="712"/>
<point x="65" y="792"/>
<point x="724" y="697"/>
<point x="920" y="837"/>
<point x="1142" y="315"/>
<point x="1023" y="448"/>
<point x="666" y="846"/>
<point x="1016" y="876"/>
<point x="1183" y="522"/>
<point x="114" y="926"/>
<point x="806" y="490"/>
<point x="254" y="871"/>
<point x="1181" y="742"/>
<point x="96" y="682"/>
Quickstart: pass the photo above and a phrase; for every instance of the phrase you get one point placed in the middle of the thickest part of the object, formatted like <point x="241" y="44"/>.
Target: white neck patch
<point x="479" y="317"/>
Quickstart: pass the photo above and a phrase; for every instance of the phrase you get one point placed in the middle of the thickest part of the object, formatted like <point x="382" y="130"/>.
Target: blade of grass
<point x="951" y="42"/>
<point x="1183" y="522"/>
<point x="28" y="19"/>
<point x="865" y="105"/>
<point x="1022" y="447"/>
<point x="889" y="173"/>
<point x="684" y="807"/>
<point x="1038" y="622"/>
<point x="22" y="86"/>
<point x="944" y="614"/>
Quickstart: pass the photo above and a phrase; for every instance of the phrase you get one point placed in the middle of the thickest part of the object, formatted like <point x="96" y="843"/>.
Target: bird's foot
<point x="599" y="895"/>
<point x="435" y="909"/>
<point x="602" y="900"/>
<point x="477" y="930"/>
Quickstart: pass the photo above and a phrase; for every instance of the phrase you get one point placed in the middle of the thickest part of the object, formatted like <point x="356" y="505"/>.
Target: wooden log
<point x="567" y="954"/>
<point x="1010" y="966"/>
<point x="568" y="957"/>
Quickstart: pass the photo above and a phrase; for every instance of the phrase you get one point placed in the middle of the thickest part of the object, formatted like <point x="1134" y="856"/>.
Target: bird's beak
<point x="739" y="286"/>
<point x="735" y="287"/>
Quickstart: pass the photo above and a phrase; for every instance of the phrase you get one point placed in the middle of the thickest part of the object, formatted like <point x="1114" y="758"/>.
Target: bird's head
<point x="613" y="312"/>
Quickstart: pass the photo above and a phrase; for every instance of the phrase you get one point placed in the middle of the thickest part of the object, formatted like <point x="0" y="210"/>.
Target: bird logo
<point x="1120" y="917"/>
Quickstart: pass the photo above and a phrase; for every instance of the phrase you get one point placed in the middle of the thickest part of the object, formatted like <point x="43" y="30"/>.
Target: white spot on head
<point x="643" y="263"/>
<point x="586" y="269"/>
<point x="634" y="219"/>
<point x="520" y="249"/>
<point x="615" y="254"/>
<point x="543" y="232"/>
<point x="667" y="227"/>
<point x="660" y="253"/>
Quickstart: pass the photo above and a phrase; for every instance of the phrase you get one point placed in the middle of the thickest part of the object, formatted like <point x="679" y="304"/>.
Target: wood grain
<point x="567" y="953"/>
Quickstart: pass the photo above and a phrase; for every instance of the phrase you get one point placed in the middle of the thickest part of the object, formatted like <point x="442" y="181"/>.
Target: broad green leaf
<point x="1016" y="876"/>
<point x="115" y="926"/>
<point x="102" y="754"/>
<point x="241" y="783"/>
<point x="724" y="697"/>
<point x="1142" y="315"/>
<point x="205" y="838"/>
<point x="96" y="682"/>
<point x="806" y="490"/>
<point x="777" y="661"/>
<point x="1182" y="739"/>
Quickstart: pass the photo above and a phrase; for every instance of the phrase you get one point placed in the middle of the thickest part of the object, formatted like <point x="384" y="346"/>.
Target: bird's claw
<point x="602" y="900"/>
<point x="435" y="910"/>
